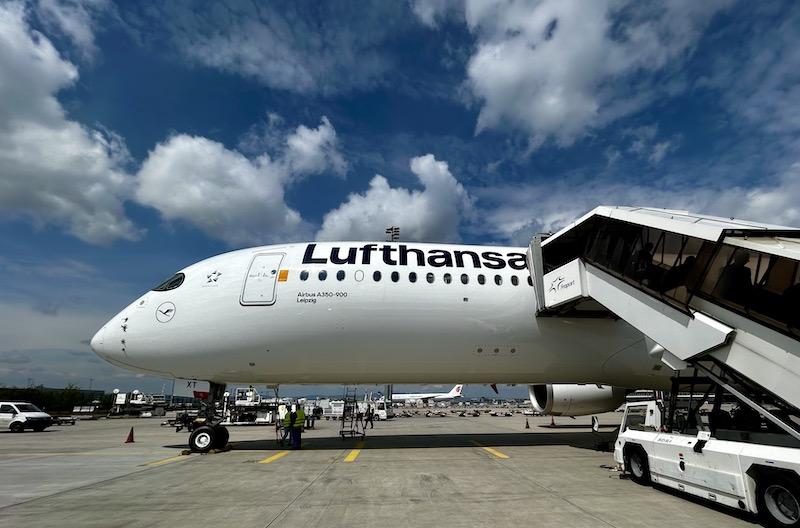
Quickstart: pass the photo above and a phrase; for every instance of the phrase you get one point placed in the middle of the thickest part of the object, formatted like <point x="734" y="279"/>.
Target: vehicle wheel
<point x="221" y="437"/>
<point x="16" y="427"/>
<point x="778" y="500"/>
<point x="636" y="461"/>
<point x="202" y="439"/>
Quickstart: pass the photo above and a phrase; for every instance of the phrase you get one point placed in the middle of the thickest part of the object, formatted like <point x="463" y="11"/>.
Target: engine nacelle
<point x="563" y="399"/>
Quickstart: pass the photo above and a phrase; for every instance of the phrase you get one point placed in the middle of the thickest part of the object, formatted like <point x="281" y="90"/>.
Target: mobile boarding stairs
<point x="721" y="296"/>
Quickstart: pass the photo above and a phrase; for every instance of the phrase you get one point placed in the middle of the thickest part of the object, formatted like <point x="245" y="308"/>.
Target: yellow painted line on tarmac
<point x="491" y="450"/>
<point x="353" y="454"/>
<point x="273" y="458"/>
<point x="495" y="452"/>
<point x="163" y="461"/>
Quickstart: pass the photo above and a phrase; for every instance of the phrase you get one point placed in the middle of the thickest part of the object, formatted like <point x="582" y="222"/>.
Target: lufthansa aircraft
<point x="363" y="313"/>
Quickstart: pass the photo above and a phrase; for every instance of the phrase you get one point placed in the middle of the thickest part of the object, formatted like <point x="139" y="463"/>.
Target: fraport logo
<point x="558" y="284"/>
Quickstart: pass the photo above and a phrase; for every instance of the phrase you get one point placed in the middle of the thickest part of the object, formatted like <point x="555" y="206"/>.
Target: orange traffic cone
<point x="129" y="440"/>
<point x="527" y="425"/>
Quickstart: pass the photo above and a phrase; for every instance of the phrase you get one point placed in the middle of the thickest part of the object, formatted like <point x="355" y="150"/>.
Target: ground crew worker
<point x="288" y="422"/>
<point x="294" y="421"/>
<point x="284" y="425"/>
<point x="370" y="415"/>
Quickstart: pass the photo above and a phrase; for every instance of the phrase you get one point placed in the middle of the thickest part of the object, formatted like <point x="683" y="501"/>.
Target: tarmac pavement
<point x="421" y="472"/>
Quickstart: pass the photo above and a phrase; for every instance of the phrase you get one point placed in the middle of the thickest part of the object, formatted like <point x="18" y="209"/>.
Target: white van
<point x="383" y="411"/>
<point x="18" y="416"/>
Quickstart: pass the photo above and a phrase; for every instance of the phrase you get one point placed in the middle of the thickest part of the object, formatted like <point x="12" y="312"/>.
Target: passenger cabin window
<point x="530" y="281"/>
<point x="376" y="276"/>
<point x="323" y="275"/>
<point x="340" y="275"/>
<point x="515" y="280"/>
<point x="430" y="278"/>
<point x="171" y="283"/>
<point x="481" y="279"/>
<point x="447" y="278"/>
<point x="412" y="277"/>
<point x="464" y="278"/>
<point x="395" y="276"/>
<point x="303" y="275"/>
<point x="7" y="409"/>
<point x="498" y="280"/>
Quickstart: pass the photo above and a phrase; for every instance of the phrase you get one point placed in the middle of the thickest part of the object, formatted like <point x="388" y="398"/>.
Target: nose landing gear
<point x="206" y="431"/>
<point x="207" y="437"/>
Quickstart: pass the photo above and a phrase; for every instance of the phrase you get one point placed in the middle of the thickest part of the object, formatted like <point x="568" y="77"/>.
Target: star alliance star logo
<point x="556" y="284"/>
<point x="559" y="284"/>
<point x="213" y="277"/>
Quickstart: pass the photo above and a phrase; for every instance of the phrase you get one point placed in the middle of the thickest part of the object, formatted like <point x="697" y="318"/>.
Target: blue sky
<point x="138" y="137"/>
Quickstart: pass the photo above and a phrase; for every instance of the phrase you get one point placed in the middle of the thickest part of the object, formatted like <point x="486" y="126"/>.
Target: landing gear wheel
<point x="202" y="439"/>
<point x="778" y="500"/>
<point x="221" y="436"/>
<point x="636" y="461"/>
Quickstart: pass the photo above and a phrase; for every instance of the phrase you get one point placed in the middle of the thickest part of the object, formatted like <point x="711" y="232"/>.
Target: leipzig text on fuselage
<point x="354" y="312"/>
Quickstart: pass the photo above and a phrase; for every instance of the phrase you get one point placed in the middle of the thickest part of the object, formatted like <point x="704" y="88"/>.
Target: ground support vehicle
<point x="714" y="447"/>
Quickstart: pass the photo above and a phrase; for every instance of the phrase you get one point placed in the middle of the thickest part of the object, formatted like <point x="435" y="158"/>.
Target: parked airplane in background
<point x="424" y="397"/>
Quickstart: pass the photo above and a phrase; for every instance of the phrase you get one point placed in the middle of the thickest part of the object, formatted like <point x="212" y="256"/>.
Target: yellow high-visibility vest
<point x="301" y="418"/>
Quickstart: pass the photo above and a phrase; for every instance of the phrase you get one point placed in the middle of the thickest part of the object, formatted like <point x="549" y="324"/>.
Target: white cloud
<point x="430" y="12"/>
<point x="557" y="69"/>
<point x="230" y="196"/>
<point x="314" y="150"/>
<point x="54" y="170"/>
<point x="612" y="155"/>
<point x="74" y="19"/>
<point x="516" y="212"/>
<point x="644" y="144"/>
<point x="218" y="190"/>
<point x="433" y="214"/>
<point x="329" y="49"/>
<point x="759" y="76"/>
<point x="660" y="150"/>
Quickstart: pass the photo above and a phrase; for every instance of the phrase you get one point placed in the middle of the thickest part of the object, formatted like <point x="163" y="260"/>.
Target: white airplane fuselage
<point x="455" y="392"/>
<point x="248" y="316"/>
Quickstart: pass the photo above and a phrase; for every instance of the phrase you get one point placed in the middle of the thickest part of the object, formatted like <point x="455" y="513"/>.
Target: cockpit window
<point x="171" y="283"/>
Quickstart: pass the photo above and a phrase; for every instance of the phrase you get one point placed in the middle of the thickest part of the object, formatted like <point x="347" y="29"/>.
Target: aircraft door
<point x="261" y="279"/>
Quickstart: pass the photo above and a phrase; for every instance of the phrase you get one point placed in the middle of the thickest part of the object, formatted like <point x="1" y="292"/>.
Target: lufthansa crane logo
<point x="165" y="312"/>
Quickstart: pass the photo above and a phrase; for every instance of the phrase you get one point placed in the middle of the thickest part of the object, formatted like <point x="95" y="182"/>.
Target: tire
<point x="778" y="500"/>
<point x="16" y="427"/>
<point x="202" y="439"/>
<point x="636" y="462"/>
<point x="221" y="437"/>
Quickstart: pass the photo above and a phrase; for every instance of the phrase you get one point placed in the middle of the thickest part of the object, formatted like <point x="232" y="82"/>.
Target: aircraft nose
<point x="97" y="342"/>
